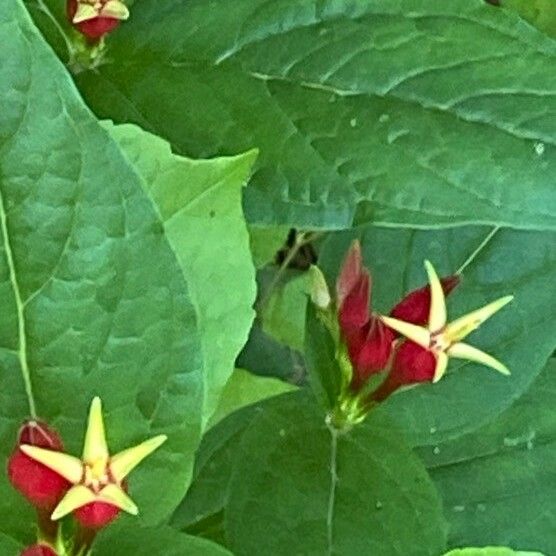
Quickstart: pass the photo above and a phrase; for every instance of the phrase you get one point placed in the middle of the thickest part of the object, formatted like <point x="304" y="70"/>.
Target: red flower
<point x="95" y="18"/>
<point x="43" y="487"/>
<point x="39" y="550"/>
<point x="98" y="487"/>
<point x="412" y="364"/>
<point x="424" y="356"/>
<point x="96" y="515"/>
<point x="368" y="340"/>
<point x="369" y="350"/>
<point x="415" y="306"/>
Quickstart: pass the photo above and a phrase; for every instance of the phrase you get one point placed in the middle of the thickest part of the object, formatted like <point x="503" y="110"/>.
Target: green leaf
<point x="207" y="496"/>
<point x="265" y="243"/>
<point x="9" y="547"/>
<point x="263" y="355"/>
<point x="412" y="112"/>
<point x="243" y="389"/>
<point x="93" y="299"/>
<point x="312" y="491"/>
<point x="283" y="316"/>
<point x="200" y="204"/>
<point x="137" y="541"/>
<point x="522" y="335"/>
<point x="490" y="551"/>
<point x="541" y="13"/>
<point x="324" y="372"/>
<point x="498" y="483"/>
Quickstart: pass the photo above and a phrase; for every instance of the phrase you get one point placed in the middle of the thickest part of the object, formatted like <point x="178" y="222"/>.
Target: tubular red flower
<point x="350" y="273"/>
<point x="415" y="306"/>
<point x="368" y="340"/>
<point x="412" y="364"/>
<point x="369" y="351"/>
<point x="39" y="550"/>
<point x="43" y="487"/>
<point x="353" y="313"/>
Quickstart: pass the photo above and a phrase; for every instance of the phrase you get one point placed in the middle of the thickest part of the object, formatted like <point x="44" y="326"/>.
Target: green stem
<point x="84" y="539"/>
<point x="475" y="253"/>
<point x="69" y="45"/>
<point x="333" y="485"/>
<point x="302" y="239"/>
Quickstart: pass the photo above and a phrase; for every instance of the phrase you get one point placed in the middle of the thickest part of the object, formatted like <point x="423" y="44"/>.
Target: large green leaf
<point x="138" y="541"/>
<point x="523" y="335"/>
<point x="93" y="300"/>
<point x="498" y="483"/>
<point x="420" y="112"/>
<point x="312" y="491"/>
<point x="200" y="204"/>
<point x="8" y="546"/>
<point x="204" y="505"/>
<point x="541" y="13"/>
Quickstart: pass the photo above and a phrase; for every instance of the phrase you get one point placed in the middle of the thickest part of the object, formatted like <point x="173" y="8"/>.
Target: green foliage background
<point x="139" y="198"/>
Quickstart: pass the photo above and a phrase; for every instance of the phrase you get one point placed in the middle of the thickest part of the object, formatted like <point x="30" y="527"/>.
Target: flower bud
<point x="350" y="273"/>
<point x="320" y="295"/>
<point x="415" y="306"/>
<point x="369" y="350"/>
<point x="39" y="550"/>
<point x="353" y="313"/>
<point x="40" y="485"/>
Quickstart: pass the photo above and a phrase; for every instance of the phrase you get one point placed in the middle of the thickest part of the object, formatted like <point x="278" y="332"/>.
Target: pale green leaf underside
<point x="93" y="301"/>
<point x="244" y="388"/>
<point x="523" y="335"/>
<point x="265" y="243"/>
<point x="490" y="551"/>
<point x="413" y="112"/>
<point x="200" y="204"/>
<point x="283" y="316"/>
<point x="498" y="483"/>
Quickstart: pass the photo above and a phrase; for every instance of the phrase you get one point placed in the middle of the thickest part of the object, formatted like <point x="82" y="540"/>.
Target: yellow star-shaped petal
<point x="444" y="339"/>
<point x="114" y="9"/>
<point x="96" y="477"/>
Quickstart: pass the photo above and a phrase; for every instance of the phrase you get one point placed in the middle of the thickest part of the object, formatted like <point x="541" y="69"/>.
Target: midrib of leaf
<point x="332" y="491"/>
<point x="20" y="308"/>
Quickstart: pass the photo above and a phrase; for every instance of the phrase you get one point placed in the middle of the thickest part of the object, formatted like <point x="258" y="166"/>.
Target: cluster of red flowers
<point x="373" y="346"/>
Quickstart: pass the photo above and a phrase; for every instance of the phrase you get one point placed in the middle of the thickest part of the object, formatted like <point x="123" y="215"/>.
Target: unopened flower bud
<point x="369" y="351"/>
<point x="43" y="487"/>
<point x="320" y="295"/>
<point x="39" y="550"/>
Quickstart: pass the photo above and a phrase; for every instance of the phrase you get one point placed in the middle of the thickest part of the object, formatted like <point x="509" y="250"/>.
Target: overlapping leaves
<point x="416" y="113"/>
<point x="93" y="285"/>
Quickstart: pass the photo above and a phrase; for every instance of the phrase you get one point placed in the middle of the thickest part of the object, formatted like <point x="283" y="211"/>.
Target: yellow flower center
<point x="96" y="474"/>
<point x="439" y="342"/>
